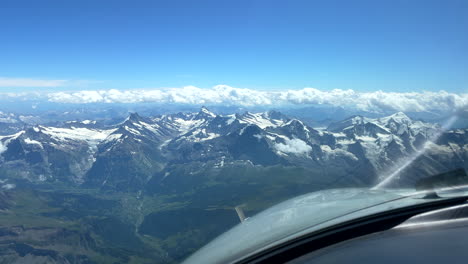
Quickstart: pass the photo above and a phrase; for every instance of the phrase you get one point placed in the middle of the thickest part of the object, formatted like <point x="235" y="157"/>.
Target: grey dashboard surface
<point x="428" y="242"/>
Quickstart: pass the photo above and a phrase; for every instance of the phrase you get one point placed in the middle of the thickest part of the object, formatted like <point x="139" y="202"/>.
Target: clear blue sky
<point x="396" y="45"/>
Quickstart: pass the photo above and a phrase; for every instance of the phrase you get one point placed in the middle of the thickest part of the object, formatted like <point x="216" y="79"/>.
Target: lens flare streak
<point x="416" y="155"/>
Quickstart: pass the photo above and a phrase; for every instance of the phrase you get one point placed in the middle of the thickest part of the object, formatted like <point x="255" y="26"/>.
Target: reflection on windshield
<point x="407" y="161"/>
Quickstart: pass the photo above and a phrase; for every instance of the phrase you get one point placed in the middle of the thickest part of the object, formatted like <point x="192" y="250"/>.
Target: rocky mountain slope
<point x="129" y="154"/>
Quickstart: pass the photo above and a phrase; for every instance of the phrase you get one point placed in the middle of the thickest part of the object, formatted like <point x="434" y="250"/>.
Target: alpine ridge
<point x="128" y="154"/>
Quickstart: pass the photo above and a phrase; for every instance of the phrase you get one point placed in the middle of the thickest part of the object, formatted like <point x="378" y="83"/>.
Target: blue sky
<point x="394" y="46"/>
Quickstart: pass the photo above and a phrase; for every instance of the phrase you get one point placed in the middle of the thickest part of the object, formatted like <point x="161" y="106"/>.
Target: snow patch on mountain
<point x="259" y="119"/>
<point x="5" y="140"/>
<point x="201" y="135"/>
<point x="33" y="142"/>
<point x="366" y="138"/>
<point x="84" y="122"/>
<point x="153" y="128"/>
<point x="3" y="147"/>
<point x="345" y="141"/>
<point x="186" y="125"/>
<point x="231" y="119"/>
<point x="87" y="122"/>
<point x="92" y="136"/>
<point x="274" y="136"/>
<point x="399" y="117"/>
<point x="133" y="131"/>
<point x="206" y="111"/>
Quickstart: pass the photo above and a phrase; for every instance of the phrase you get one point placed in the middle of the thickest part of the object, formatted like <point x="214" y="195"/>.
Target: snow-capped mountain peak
<point x="261" y="138"/>
<point x="133" y="117"/>
<point x="263" y="120"/>
<point x="399" y="117"/>
<point x="204" y="114"/>
<point x="206" y="111"/>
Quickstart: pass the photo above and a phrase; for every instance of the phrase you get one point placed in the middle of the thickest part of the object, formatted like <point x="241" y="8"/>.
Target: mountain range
<point x="129" y="154"/>
<point x="170" y="183"/>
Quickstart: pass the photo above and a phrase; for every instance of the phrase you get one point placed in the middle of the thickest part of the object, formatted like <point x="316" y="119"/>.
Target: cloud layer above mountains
<point x="377" y="101"/>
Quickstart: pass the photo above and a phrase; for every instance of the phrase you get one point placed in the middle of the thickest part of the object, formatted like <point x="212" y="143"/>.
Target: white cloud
<point x="8" y="186"/>
<point x="26" y="82"/>
<point x="377" y="101"/>
<point x="294" y="146"/>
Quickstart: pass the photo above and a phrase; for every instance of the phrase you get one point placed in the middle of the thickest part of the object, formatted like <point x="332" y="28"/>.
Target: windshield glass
<point x="307" y="214"/>
<point x="138" y="132"/>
